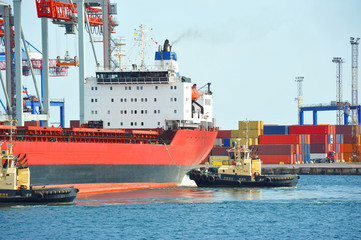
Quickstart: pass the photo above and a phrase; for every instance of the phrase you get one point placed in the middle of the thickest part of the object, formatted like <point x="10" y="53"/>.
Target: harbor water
<point x="320" y="207"/>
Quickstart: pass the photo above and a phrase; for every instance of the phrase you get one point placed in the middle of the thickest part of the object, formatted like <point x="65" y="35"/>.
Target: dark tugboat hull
<point x="224" y="180"/>
<point x="38" y="196"/>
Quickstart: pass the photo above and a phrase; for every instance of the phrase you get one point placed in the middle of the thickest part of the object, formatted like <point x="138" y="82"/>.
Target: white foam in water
<point x="187" y="182"/>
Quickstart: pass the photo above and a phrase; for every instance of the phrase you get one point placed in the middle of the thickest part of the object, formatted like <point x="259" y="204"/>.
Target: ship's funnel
<point x="167" y="47"/>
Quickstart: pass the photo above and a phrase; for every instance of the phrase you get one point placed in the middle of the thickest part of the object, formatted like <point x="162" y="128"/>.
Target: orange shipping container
<point x="347" y="148"/>
<point x="347" y="157"/>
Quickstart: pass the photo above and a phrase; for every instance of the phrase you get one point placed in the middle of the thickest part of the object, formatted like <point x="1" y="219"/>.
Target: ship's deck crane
<point x="66" y="14"/>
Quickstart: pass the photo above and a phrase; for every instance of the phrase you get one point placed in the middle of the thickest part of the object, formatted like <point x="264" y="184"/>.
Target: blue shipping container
<point x="275" y="130"/>
<point x="227" y="142"/>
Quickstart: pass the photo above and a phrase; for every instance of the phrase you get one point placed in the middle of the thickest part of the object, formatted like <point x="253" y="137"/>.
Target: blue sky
<point x="250" y="51"/>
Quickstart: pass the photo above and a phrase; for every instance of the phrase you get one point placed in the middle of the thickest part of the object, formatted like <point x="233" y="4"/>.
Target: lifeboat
<point x="195" y="93"/>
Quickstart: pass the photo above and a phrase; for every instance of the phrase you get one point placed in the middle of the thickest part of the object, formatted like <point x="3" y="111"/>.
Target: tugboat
<point x="15" y="185"/>
<point x="244" y="170"/>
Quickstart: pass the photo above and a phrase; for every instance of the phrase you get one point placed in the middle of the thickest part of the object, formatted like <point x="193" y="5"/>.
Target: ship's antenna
<point x="140" y="35"/>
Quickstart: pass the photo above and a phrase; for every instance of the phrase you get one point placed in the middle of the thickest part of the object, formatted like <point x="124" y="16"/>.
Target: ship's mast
<point x="140" y="35"/>
<point x="118" y="51"/>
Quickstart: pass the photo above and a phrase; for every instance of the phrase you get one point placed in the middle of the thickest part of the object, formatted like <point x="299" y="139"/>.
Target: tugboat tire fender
<point x="211" y="178"/>
<point x="39" y="195"/>
<point x="198" y="176"/>
<point x="204" y="177"/>
<point x="267" y="180"/>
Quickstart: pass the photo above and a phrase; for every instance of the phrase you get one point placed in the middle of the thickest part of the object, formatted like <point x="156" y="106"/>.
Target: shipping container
<point x="227" y="142"/>
<point x="348" y="139"/>
<point x="224" y="134"/>
<point x="345" y="129"/>
<point x="280" y="139"/>
<point x="219" y="151"/>
<point x="318" y="138"/>
<point x="275" y="130"/>
<point x="251" y="125"/>
<point x="310" y="129"/>
<point x="277" y="159"/>
<point x="347" y="157"/>
<point x="347" y="148"/>
<point x="270" y="149"/>
<point x="244" y="133"/>
<point x="318" y="148"/>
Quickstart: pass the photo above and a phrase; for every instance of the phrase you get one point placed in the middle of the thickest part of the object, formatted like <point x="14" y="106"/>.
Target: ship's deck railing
<point x="51" y="134"/>
<point x="146" y="80"/>
<point x="127" y="68"/>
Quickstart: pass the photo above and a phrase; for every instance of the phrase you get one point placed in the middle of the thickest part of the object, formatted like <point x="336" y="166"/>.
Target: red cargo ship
<point x="101" y="160"/>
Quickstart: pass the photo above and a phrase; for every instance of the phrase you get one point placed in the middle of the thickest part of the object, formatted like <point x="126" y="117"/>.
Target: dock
<point x="313" y="169"/>
<point x="337" y="168"/>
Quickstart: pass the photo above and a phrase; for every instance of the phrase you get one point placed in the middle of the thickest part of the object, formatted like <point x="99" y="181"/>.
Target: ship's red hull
<point x="101" y="167"/>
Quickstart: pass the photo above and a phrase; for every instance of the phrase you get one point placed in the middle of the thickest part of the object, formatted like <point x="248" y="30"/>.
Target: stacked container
<point x="285" y="149"/>
<point x="247" y="133"/>
<point x="290" y="144"/>
<point x="344" y="141"/>
<point x="321" y="139"/>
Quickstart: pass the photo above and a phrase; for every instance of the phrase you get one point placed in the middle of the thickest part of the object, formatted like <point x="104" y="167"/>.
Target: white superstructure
<point x="141" y="98"/>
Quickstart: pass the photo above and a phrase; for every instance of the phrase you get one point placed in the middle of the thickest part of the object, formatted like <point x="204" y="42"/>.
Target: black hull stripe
<point x="79" y="174"/>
